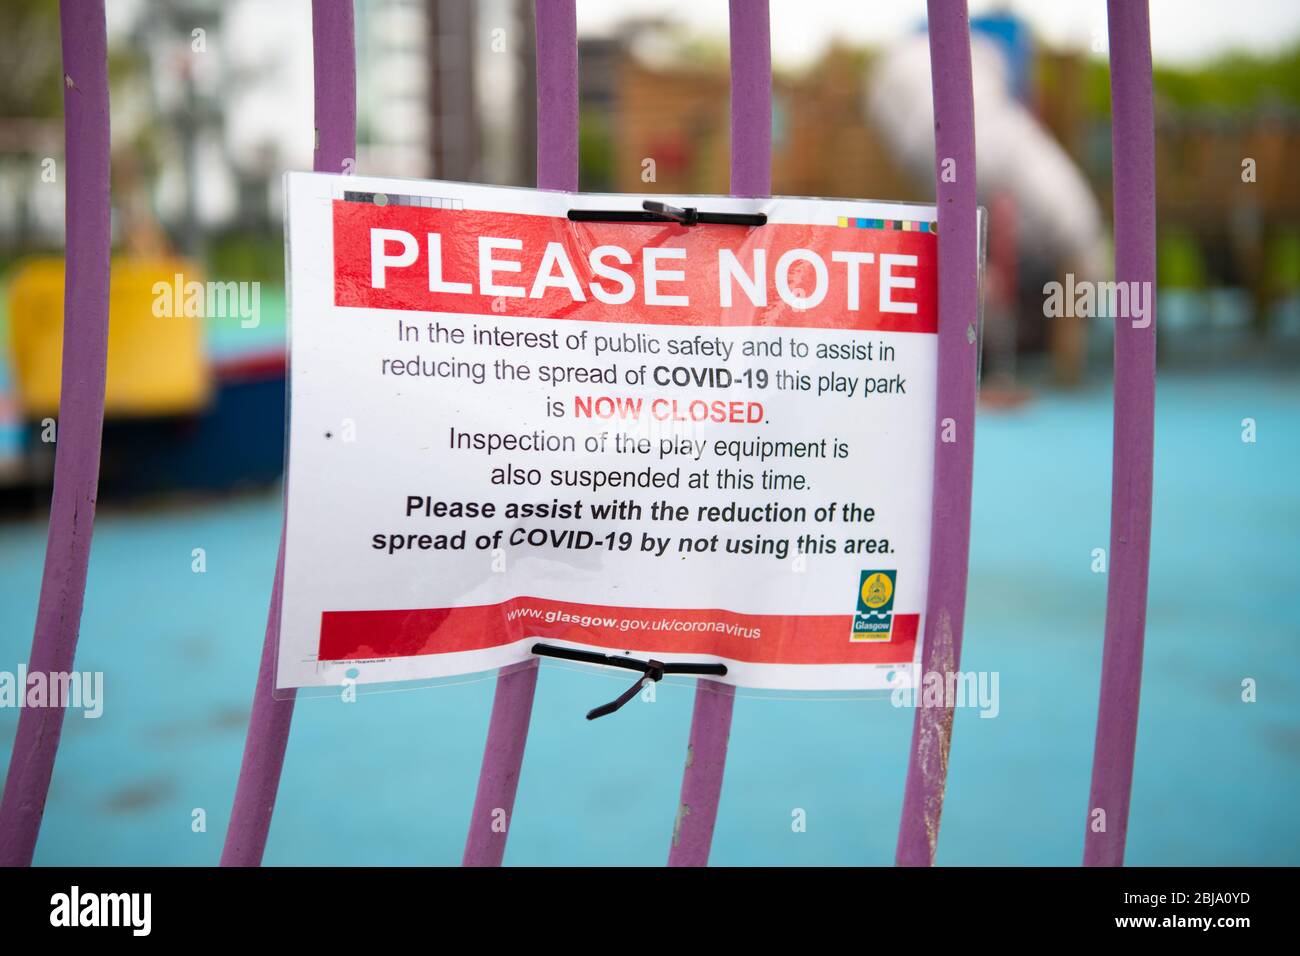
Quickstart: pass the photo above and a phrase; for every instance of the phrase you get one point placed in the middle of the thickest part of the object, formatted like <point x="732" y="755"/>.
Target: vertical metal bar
<point x="335" y="77"/>
<point x="706" y="760"/>
<point x="751" y="175"/>
<point x="557" y="94"/>
<point x="512" y="707"/>
<point x="503" y="757"/>
<point x="1133" y="163"/>
<point x="81" y="417"/>
<point x="751" y="98"/>
<point x="954" y="129"/>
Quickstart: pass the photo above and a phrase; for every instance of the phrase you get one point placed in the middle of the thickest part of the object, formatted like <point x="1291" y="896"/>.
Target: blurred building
<point x="655" y="117"/>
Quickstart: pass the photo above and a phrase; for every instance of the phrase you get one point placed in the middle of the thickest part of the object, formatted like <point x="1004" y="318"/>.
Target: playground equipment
<point x="176" y="417"/>
<point x="156" y="364"/>
<point x="77" y="460"/>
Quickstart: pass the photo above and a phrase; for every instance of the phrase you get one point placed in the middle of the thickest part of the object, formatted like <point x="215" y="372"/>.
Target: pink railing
<point x="335" y="102"/>
<point x="81" y="418"/>
<point x="1133" y="159"/>
<point x="77" y="458"/>
<point x="945" y="608"/>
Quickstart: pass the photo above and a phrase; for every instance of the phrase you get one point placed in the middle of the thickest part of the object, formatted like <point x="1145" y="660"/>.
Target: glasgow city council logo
<point x="875" y="615"/>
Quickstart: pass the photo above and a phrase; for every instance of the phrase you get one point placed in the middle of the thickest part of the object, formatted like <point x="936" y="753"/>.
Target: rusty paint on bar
<point x="81" y="418"/>
<point x="335" y="78"/>
<point x="954" y="128"/>
<point x="1133" y="163"/>
<point x="503" y="758"/>
<point x="706" y="761"/>
<point x="751" y="175"/>
<point x="512" y="707"/>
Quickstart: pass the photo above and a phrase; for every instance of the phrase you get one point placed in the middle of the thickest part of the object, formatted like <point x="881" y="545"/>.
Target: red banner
<point x="775" y="275"/>
<point x="754" y="638"/>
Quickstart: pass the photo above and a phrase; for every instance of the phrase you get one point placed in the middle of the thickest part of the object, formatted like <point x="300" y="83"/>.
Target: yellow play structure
<point x="156" y="360"/>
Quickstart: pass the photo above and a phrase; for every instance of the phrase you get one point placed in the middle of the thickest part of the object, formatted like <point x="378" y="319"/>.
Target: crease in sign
<point x="414" y="258"/>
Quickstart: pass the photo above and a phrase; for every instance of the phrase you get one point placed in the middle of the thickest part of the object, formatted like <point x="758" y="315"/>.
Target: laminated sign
<point x="699" y="434"/>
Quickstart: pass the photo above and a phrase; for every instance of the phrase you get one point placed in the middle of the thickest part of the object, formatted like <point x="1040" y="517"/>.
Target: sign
<point x="692" y="443"/>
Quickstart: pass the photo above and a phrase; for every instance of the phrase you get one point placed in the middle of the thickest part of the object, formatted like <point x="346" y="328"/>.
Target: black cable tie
<point x="652" y="211"/>
<point x="688" y="216"/>
<point x="651" y="670"/>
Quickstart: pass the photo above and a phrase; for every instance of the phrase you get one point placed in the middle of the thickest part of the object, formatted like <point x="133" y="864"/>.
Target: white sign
<point x="703" y="443"/>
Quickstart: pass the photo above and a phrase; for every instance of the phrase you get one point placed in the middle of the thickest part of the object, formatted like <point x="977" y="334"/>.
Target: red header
<point x="782" y="275"/>
<point x="774" y="638"/>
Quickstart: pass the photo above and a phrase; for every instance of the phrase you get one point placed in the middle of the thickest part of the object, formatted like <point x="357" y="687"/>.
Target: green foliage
<point x="595" y="150"/>
<point x="246" y="258"/>
<point x="1234" y="82"/>
<point x="1179" y="262"/>
<point x="31" y="61"/>
<point x="1282" y="261"/>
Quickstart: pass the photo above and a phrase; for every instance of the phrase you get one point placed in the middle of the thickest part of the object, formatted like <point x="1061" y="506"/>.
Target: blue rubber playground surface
<point x="390" y="779"/>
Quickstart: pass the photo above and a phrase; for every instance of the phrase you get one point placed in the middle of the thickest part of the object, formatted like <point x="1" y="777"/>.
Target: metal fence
<point x="84" y="357"/>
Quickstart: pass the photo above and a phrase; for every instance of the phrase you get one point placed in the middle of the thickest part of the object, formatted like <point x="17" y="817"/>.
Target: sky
<point x="1181" y="30"/>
